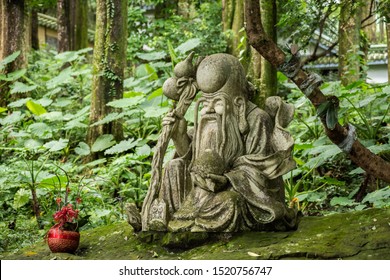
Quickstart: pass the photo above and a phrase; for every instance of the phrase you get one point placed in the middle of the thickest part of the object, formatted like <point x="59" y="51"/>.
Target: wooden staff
<point x="181" y="88"/>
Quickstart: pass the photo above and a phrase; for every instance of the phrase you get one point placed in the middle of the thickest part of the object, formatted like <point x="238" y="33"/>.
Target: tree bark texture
<point x="359" y="154"/>
<point x="34" y="29"/>
<point x="81" y="25"/>
<point x="12" y="38"/>
<point x="268" y="81"/>
<point x="349" y="38"/>
<point x="233" y="21"/>
<point x="369" y="18"/>
<point x="108" y="65"/>
<point x="388" y="49"/>
<point x="63" y="28"/>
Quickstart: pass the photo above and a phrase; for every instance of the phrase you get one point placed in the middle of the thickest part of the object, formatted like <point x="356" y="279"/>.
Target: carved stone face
<point x="217" y="127"/>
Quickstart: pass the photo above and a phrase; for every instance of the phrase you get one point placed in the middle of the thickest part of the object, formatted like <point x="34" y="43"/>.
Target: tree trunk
<point x="254" y="71"/>
<point x="72" y="18"/>
<point x="72" y="11"/>
<point x="268" y="80"/>
<point x="81" y="25"/>
<point x="63" y="33"/>
<point x="233" y="21"/>
<point x="108" y="65"/>
<point x="388" y="49"/>
<point x="12" y="40"/>
<point x="1" y="28"/>
<point x="349" y="38"/>
<point x="34" y="29"/>
<point x="359" y="154"/>
<point x="369" y="18"/>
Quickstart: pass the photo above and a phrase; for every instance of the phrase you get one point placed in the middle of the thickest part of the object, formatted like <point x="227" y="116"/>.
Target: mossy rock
<point x="356" y="235"/>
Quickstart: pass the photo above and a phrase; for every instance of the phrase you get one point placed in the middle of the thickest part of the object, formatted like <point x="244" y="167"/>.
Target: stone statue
<point x="226" y="173"/>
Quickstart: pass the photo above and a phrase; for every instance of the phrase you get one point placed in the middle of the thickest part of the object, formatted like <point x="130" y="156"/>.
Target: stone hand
<point x="179" y="132"/>
<point x="220" y="180"/>
<point x="171" y="119"/>
<point x="211" y="182"/>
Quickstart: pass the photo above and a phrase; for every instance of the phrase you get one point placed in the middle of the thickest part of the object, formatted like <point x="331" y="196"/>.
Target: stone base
<point x="181" y="240"/>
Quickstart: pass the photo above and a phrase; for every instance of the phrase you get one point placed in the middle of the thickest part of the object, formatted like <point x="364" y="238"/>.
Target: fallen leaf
<point x="253" y="254"/>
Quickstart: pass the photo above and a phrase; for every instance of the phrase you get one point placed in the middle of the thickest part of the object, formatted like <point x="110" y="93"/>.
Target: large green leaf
<point x="41" y="130"/>
<point x="342" y="201"/>
<point x="126" y="102"/>
<point x="13" y="76"/>
<point x="109" y="118"/>
<point x="9" y="59"/>
<point x="103" y="142"/>
<point x="53" y="116"/>
<point x="122" y="146"/>
<point x="82" y="149"/>
<point x="377" y="196"/>
<point x="55" y="146"/>
<point x="54" y="182"/>
<point x="19" y="87"/>
<point x="65" y="76"/>
<point x="67" y="56"/>
<point x="15" y="117"/>
<point x="143" y="152"/>
<point x="152" y="56"/>
<point x="21" y="198"/>
<point x="18" y="103"/>
<point x="188" y="45"/>
<point x="32" y="144"/>
<point x="35" y="108"/>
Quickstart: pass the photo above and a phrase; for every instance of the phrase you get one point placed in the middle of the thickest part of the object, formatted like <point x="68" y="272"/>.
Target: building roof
<point x="51" y="22"/>
<point x="377" y="55"/>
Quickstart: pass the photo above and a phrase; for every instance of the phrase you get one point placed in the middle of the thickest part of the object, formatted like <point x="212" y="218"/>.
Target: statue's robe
<point x="254" y="196"/>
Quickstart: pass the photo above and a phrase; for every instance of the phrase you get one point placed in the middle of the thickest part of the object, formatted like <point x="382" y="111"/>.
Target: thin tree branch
<point x="370" y="14"/>
<point x="314" y="56"/>
<point x="368" y="24"/>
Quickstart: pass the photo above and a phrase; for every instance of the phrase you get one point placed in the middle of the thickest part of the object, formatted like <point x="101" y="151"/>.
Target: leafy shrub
<point x="325" y="180"/>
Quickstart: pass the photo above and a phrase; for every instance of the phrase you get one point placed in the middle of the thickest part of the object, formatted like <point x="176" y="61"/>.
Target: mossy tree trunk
<point x="349" y="38"/>
<point x="81" y="25"/>
<point x="268" y="79"/>
<point x="233" y="22"/>
<point x="388" y="48"/>
<point x="12" y="37"/>
<point x="108" y="65"/>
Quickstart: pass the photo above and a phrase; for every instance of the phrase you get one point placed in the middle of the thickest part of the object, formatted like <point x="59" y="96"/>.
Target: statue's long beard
<point x="221" y="134"/>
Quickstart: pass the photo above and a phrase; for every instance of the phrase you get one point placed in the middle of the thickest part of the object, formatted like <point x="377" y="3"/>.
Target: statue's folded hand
<point x="209" y="182"/>
<point x="216" y="183"/>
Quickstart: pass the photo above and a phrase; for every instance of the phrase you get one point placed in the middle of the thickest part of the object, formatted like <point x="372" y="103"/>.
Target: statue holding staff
<point x="227" y="172"/>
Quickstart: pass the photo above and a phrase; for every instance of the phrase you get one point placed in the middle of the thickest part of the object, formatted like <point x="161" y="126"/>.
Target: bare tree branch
<point x="314" y="56"/>
<point x="370" y="14"/>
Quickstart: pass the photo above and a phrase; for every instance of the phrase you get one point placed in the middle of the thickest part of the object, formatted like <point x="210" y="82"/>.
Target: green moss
<point x="357" y="235"/>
